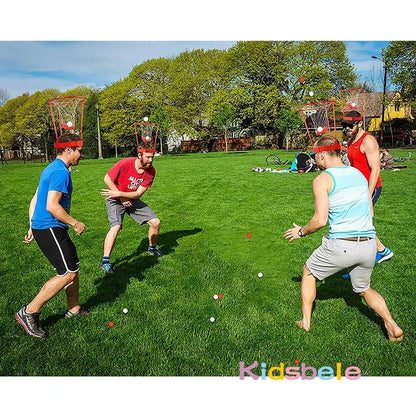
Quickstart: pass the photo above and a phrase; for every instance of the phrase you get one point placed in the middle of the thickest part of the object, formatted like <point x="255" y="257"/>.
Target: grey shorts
<point x="139" y="212"/>
<point x="335" y="255"/>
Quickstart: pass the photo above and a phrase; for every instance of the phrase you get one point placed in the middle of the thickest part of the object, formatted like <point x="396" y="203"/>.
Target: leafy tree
<point x="34" y="116"/>
<point x="323" y="65"/>
<point x="258" y="72"/>
<point x="196" y="77"/>
<point x="90" y="128"/>
<point x="80" y="90"/>
<point x="34" y="119"/>
<point x="118" y="112"/>
<point x="149" y="84"/>
<point x="9" y="119"/>
<point x="287" y="122"/>
<point x="159" y="114"/>
<point x="400" y="61"/>
<point x="225" y="118"/>
<point x="270" y="76"/>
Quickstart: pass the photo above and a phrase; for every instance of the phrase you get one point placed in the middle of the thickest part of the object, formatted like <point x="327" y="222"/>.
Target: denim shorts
<point x="376" y="194"/>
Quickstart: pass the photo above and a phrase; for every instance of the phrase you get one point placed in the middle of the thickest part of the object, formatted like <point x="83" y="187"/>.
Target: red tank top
<point x="359" y="161"/>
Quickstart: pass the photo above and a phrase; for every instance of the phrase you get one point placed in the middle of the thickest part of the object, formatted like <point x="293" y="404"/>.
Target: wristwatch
<point x="300" y="232"/>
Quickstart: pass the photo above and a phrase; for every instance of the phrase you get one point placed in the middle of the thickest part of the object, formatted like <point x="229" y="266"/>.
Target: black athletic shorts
<point x="58" y="248"/>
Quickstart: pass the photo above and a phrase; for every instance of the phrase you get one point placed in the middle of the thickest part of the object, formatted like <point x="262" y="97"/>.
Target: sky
<point x="30" y="66"/>
<point x="96" y="43"/>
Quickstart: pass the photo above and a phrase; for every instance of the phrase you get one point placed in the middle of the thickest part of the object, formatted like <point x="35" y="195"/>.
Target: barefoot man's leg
<point x="308" y="294"/>
<point x="377" y="303"/>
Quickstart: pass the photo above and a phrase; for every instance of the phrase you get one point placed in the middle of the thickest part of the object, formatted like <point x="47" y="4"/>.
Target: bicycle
<point x="275" y="160"/>
<point x="403" y="159"/>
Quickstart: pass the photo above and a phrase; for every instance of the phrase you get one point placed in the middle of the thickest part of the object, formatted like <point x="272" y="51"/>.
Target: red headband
<point x="335" y="146"/>
<point x="68" y="144"/>
<point x="139" y="150"/>
<point x="358" y="118"/>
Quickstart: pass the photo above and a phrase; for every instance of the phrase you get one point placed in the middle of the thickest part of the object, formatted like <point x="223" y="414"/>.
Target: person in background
<point x="363" y="154"/>
<point x="386" y="160"/>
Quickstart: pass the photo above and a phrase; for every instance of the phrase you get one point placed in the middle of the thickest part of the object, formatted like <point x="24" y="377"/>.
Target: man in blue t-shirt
<point x="49" y="222"/>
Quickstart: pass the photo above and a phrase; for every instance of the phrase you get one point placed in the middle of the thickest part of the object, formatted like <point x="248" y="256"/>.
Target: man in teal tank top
<point x="341" y="198"/>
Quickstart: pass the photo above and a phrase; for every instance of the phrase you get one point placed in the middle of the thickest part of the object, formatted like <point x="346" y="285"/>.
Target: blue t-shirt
<point x="55" y="177"/>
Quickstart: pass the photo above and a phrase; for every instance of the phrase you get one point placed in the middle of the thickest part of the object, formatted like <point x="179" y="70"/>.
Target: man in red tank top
<point x="363" y="154"/>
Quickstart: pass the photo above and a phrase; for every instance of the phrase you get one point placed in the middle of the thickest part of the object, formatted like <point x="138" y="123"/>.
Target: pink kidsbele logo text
<point x="301" y="371"/>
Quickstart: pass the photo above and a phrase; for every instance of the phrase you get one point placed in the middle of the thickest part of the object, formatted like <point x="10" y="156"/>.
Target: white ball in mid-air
<point x="147" y="138"/>
<point x="320" y="129"/>
<point x="146" y="119"/>
<point x="353" y="105"/>
<point x="311" y="93"/>
<point x="69" y="124"/>
<point x="125" y="310"/>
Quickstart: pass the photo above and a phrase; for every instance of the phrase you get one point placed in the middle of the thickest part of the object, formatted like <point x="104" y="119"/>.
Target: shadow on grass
<point x="336" y="287"/>
<point x="111" y="286"/>
<point x="134" y="266"/>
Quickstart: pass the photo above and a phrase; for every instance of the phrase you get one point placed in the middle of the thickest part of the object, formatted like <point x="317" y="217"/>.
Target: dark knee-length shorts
<point x="56" y="244"/>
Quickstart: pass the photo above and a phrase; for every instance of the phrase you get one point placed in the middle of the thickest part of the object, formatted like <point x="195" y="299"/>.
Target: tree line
<point x="201" y="94"/>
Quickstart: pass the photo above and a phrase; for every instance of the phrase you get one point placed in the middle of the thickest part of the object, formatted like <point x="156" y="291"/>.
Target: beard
<point x="146" y="165"/>
<point x="350" y="134"/>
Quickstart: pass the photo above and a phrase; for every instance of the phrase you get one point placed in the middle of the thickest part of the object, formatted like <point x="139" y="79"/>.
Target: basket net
<point x="352" y="100"/>
<point x="67" y="115"/>
<point x="146" y="136"/>
<point x="319" y="118"/>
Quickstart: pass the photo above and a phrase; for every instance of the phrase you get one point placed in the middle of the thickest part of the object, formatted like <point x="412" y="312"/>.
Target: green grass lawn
<point x="207" y="204"/>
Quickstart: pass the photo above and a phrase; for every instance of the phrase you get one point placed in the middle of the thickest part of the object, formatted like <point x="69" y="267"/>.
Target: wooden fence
<point x="216" y="145"/>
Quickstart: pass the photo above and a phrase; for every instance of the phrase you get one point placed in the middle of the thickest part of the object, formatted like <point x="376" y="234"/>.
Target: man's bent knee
<point x="154" y="223"/>
<point x="69" y="278"/>
<point x="306" y="271"/>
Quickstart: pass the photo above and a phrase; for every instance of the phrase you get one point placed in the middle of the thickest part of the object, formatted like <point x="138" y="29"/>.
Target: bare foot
<point x="394" y="332"/>
<point x="303" y="325"/>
